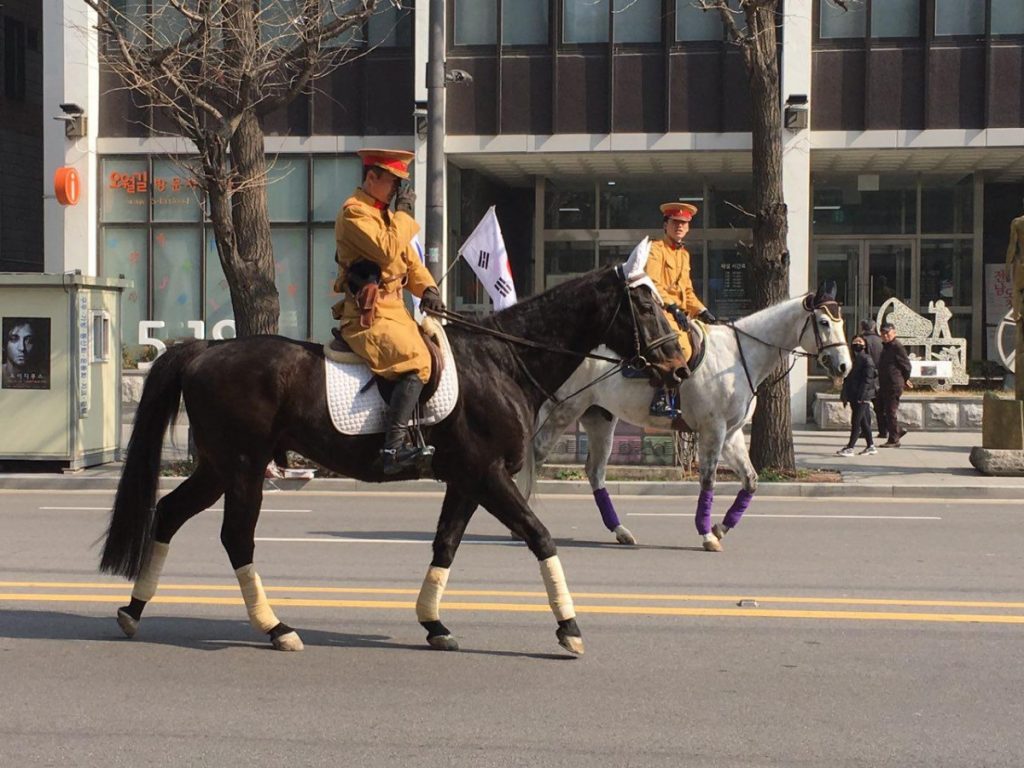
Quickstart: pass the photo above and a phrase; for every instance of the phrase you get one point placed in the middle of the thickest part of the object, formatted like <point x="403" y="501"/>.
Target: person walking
<point x="893" y="378"/>
<point x="873" y="344"/>
<point x="858" y="390"/>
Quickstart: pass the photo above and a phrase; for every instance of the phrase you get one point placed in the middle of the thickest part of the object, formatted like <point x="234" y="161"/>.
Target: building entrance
<point x="867" y="272"/>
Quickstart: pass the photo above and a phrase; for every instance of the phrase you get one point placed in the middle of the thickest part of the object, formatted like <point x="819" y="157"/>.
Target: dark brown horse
<point x="250" y="399"/>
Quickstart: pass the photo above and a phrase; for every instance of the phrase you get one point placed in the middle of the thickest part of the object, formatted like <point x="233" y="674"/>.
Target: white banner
<point x="484" y="250"/>
<point x="998" y="289"/>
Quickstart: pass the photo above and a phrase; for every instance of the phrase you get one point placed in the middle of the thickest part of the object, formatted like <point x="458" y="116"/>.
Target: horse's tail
<point x="527" y="477"/>
<point x="131" y="521"/>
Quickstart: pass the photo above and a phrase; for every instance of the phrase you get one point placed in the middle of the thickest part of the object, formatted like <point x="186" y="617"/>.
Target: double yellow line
<point x="511" y="601"/>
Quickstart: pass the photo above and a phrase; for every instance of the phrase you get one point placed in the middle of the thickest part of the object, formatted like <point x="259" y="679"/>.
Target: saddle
<point x="339" y="351"/>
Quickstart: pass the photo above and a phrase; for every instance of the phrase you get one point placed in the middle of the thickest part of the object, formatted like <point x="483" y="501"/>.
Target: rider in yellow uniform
<point x="376" y="265"/>
<point x="669" y="268"/>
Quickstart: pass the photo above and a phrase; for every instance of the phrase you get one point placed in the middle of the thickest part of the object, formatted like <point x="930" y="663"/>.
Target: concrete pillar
<point x="796" y="170"/>
<point x="70" y="75"/>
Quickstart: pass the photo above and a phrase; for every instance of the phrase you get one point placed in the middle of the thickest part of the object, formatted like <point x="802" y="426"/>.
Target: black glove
<point x="405" y="200"/>
<point x="705" y="316"/>
<point x="430" y="301"/>
<point x="680" y="316"/>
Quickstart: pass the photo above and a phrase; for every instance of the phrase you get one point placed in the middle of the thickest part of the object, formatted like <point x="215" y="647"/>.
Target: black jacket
<point x="862" y="383"/>
<point x="893" y="368"/>
<point x="874" y="345"/>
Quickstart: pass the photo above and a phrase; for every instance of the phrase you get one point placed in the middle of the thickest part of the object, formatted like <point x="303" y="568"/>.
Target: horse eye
<point x="824" y="323"/>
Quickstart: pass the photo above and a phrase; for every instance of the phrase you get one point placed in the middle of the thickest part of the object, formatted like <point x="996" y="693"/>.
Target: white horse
<point x="714" y="401"/>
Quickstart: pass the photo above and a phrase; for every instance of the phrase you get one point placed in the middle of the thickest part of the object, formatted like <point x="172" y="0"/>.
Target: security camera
<point x="458" y="76"/>
<point x="420" y="112"/>
<point x="72" y="109"/>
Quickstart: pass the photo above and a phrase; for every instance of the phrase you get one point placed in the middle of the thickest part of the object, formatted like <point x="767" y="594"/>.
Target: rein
<point x="795" y="353"/>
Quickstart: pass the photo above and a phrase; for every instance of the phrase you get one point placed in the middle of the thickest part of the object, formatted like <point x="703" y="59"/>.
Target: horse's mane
<point x="754" y="316"/>
<point x="536" y="307"/>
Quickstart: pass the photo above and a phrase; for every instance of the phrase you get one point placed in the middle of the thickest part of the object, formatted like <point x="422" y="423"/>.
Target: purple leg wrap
<point x="703" y="516"/>
<point x="604" y="503"/>
<point x="732" y="517"/>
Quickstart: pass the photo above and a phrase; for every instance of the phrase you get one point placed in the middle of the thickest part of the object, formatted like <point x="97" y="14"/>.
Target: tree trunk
<point x="771" y="439"/>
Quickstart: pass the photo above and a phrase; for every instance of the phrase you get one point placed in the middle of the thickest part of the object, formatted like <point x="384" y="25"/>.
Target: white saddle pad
<point x="360" y="410"/>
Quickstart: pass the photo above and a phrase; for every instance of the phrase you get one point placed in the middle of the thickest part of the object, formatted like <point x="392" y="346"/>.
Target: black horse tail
<point x="131" y="521"/>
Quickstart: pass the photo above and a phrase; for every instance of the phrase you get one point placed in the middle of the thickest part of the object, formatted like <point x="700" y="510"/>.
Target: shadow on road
<point x="200" y="634"/>
<point x="500" y="539"/>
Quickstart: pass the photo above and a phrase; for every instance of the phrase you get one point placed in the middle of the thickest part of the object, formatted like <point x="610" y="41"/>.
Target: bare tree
<point x="751" y="26"/>
<point x="216" y="68"/>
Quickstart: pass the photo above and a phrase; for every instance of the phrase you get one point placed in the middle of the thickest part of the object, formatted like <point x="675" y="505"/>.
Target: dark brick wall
<point x="21" y="145"/>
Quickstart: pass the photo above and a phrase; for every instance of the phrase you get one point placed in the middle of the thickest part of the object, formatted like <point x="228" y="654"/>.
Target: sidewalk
<point x="928" y="465"/>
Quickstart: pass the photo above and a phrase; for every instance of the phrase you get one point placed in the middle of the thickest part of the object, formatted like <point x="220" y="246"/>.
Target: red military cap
<point x="683" y="211"/>
<point x="394" y="160"/>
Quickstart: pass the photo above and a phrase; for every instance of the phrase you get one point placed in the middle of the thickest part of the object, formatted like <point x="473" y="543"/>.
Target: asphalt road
<point x="885" y="633"/>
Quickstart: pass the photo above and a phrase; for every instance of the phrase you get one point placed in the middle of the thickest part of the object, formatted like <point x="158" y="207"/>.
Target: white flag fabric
<point x="485" y="252"/>
<point x="418" y="248"/>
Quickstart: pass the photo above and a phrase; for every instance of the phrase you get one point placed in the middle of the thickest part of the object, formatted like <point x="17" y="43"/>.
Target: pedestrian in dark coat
<point x="858" y="390"/>
<point x="873" y="343"/>
<point x="893" y="378"/>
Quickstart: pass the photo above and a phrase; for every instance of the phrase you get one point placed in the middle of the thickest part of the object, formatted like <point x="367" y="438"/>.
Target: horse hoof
<point x="127" y="624"/>
<point x="289" y="641"/>
<point x="572" y="643"/>
<point x="443" y="643"/>
<point x="718" y="531"/>
<point x="623" y="535"/>
<point x="712" y="545"/>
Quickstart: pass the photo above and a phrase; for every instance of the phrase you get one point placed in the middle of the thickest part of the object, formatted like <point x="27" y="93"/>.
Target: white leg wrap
<point x="261" y="616"/>
<point x="149" y="578"/>
<point x="558" y="593"/>
<point x="428" y="604"/>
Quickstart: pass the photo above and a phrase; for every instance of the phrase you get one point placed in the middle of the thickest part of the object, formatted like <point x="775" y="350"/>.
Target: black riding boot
<point x="398" y="454"/>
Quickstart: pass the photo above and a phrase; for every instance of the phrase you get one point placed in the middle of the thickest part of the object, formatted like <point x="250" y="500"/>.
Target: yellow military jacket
<point x="669" y="269"/>
<point x="364" y="230"/>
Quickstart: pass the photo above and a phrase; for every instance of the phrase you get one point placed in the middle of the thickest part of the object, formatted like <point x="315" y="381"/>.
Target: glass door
<point x="840" y="261"/>
<point x="888" y="274"/>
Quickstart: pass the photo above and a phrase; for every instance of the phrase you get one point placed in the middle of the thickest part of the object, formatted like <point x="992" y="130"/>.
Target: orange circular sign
<point x="66" y="185"/>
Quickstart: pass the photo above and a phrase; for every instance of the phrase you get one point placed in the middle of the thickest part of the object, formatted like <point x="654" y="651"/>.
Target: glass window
<point x="896" y="18"/>
<point x="169" y="24"/>
<point x="636" y="21"/>
<point x="126" y="252"/>
<point x="694" y="24"/>
<point x="635" y="204"/>
<point x="176" y="196"/>
<point x="125" y="193"/>
<point x="947" y="207"/>
<point x="959" y="17"/>
<point x="334" y="179"/>
<point x="217" y="297"/>
<point x="524" y="22"/>
<point x="844" y="205"/>
<point x="278" y="22"/>
<point x="837" y="22"/>
<point x="564" y="261"/>
<point x="569" y="205"/>
<point x="476" y="22"/>
<point x="287" y="188"/>
<point x="1007" y="17"/>
<point x="291" y="275"/>
<point x="324" y="271"/>
<point x="391" y="27"/>
<point x="332" y="9"/>
<point x="585" y="21"/>
<point x="728" y="201"/>
<point x="176" y="281"/>
<point x="946" y="272"/>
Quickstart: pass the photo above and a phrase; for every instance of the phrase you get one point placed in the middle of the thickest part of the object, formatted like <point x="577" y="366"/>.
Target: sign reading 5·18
<point x="198" y="328"/>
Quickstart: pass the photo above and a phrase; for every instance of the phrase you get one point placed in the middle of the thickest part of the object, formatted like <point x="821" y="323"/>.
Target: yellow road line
<point x="623" y="610"/>
<point x="781" y="600"/>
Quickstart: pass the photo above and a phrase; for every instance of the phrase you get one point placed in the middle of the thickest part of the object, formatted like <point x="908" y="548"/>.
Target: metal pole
<point x="435" y="140"/>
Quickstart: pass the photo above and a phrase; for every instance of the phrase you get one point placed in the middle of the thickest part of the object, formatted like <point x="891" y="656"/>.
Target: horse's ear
<point x="831" y="290"/>
<point x="637" y="261"/>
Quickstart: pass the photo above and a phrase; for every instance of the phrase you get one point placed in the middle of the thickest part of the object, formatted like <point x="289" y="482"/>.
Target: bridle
<point x="638" y="362"/>
<point x="811" y="303"/>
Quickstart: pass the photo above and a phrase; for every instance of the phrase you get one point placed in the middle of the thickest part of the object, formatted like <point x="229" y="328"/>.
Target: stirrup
<point x="396" y="460"/>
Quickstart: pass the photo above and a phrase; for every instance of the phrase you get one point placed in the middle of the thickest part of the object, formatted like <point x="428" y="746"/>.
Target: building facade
<point x="581" y="117"/>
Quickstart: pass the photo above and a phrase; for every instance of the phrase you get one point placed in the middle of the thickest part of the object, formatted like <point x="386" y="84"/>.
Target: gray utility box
<point x="60" y="391"/>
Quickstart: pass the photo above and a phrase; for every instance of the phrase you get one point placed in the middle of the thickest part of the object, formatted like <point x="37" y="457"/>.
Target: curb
<point x="848" y="489"/>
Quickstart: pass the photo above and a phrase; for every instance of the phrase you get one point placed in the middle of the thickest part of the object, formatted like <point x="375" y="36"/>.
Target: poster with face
<point x="26" y="353"/>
